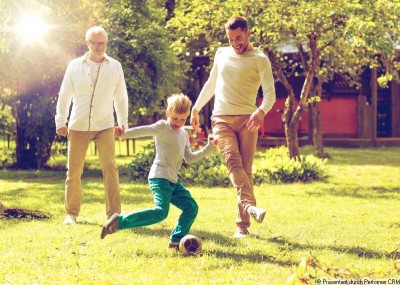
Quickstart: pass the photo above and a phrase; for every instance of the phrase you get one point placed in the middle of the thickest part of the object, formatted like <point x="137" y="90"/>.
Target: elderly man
<point x="94" y="83"/>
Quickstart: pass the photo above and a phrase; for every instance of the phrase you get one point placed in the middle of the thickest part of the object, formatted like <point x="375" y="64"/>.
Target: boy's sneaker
<point x="257" y="214"/>
<point x="174" y="245"/>
<point x="69" y="220"/>
<point x="241" y="232"/>
<point x="111" y="226"/>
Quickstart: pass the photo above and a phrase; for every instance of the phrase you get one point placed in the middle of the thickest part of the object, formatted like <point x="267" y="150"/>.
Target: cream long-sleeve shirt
<point x="172" y="146"/>
<point x="234" y="80"/>
<point x="92" y="111"/>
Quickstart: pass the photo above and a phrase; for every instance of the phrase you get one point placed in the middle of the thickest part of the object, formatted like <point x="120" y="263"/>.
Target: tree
<point x="323" y="32"/>
<point x="32" y="68"/>
<point x="139" y="40"/>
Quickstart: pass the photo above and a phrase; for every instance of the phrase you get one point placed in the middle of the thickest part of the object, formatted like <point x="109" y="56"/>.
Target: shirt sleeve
<point x="208" y="90"/>
<point x="121" y="99"/>
<point x="64" y="99"/>
<point x="144" y="131"/>
<point x="191" y="157"/>
<point x="268" y="86"/>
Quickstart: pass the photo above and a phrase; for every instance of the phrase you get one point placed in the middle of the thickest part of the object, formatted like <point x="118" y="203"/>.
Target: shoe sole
<point x="106" y="231"/>
<point x="240" y="236"/>
<point x="260" y="218"/>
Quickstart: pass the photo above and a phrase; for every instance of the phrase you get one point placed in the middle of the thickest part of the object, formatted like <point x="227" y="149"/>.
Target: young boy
<point x="172" y="146"/>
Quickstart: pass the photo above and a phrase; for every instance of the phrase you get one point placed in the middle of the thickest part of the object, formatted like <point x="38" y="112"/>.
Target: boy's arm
<point x="194" y="156"/>
<point x="142" y="131"/>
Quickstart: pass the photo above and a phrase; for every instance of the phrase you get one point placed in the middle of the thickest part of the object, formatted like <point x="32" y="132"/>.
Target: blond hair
<point x="179" y="103"/>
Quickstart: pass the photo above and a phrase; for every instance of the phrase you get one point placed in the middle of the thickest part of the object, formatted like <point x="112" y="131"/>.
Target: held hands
<point x="256" y="120"/>
<point x="195" y="121"/>
<point x="63" y="131"/>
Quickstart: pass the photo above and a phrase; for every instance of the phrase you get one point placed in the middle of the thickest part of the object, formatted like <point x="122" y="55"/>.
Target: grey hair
<point x="96" y="30"/>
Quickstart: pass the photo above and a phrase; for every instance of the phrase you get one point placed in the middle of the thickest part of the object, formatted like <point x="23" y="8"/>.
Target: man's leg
<point x="247" y="146"/>
<point x="105" y="143"/>
<point x="225" y="130"/>
<point x="78" y="143"/>
<point x="183" y="200"/>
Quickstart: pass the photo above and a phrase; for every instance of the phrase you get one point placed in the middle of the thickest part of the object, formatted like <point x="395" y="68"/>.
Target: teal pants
<point x="165" y="193"/>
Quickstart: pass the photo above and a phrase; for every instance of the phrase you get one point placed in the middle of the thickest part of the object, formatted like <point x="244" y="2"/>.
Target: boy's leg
<point x="162" y="192"/>
<point x="105" y="143"/>
<point x="182" y="199"/>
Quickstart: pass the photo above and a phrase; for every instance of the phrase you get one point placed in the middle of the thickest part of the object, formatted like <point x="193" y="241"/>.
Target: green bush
<point x="209" y="171"/>
<point x="272" y="166"/>
<point x="275" y="166"/>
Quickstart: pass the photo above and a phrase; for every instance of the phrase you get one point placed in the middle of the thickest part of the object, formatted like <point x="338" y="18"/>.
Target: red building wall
<point x="339" y="118"/>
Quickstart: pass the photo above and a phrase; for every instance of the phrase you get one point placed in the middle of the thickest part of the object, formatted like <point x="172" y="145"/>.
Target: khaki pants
<point x="78" y="143"/>
<point x="237" y="145"/>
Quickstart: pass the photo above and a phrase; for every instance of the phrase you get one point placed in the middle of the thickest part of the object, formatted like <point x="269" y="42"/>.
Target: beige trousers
<point x="78" y="143"/>
<point x="238" y="145"/>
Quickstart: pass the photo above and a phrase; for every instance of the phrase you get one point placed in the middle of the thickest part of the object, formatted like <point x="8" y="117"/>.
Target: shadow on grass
<point x="389" y="156"/>
<point x="358" y="251"/>
<point x="367" y="192"/>
<point x="254" y="257"/>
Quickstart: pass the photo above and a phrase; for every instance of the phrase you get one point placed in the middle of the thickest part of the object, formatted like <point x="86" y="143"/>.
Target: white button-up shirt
<point x="92" y="104"/>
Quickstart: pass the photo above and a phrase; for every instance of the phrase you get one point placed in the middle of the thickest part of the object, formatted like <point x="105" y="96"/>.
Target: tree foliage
<point x="139" y="40"/>
<point x="327" y="37"/>
<point x="32" y="71"/>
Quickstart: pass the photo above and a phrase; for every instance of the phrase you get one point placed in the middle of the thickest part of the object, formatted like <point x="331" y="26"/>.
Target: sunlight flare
<point x="32" y="28"/>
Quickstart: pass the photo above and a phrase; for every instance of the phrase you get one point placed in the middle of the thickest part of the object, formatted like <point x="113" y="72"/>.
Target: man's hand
<point x="118" y="131"/>
<point x="63" y="131"/>
<point x="256" y="120"/>
<point x="195" y="120"/>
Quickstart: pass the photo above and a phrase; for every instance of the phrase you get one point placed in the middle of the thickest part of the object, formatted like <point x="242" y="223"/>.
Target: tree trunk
<point x="317" y="133"/>
<point x="292" y="141"/>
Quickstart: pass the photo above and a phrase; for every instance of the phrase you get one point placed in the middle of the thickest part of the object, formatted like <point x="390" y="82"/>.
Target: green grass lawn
<point x="350" y="222"/>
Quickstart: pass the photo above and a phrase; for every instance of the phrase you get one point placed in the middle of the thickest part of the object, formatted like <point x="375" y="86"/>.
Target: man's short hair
<point x="95" y="30"/>
<point x="179" y="103"/>
<point x="237" y="22"/>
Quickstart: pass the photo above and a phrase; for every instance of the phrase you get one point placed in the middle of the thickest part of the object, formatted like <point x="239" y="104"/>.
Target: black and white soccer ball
<point x="190" y="245"/>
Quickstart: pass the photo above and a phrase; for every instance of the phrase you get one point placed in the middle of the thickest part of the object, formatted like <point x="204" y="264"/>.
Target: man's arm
<point x="205" y="95"/>
<point x="269" y="97"/>
<point x="121" y="102"/>
<point x="63" y="103"/>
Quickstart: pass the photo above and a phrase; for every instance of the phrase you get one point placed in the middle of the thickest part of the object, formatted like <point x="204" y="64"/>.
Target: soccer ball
<point x="190" y="245"/>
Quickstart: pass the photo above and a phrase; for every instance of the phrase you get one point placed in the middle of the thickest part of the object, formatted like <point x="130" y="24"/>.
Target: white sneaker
<point x="257" y="214"/>
<point x="241" y="232"/>
<point x="69" y="220"/>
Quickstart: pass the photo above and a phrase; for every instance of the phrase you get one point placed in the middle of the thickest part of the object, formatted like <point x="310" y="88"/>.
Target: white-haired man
<point x="95" y="85"/>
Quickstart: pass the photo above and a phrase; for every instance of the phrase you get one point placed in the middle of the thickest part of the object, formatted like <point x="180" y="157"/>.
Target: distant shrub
<point x="141" y="163"/>
<point x="275" y="166"/>
<point x="208" y="172"/>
